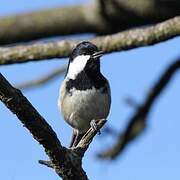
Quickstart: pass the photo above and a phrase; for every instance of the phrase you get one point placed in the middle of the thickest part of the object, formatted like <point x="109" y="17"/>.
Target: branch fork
<point x="66" y="162"/>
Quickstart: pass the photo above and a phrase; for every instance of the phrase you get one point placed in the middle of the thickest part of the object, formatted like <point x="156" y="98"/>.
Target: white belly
<point x="80" y="107"/>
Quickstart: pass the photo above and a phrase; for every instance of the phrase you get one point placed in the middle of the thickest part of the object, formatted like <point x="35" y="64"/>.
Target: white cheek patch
<point x="77" y="66"/>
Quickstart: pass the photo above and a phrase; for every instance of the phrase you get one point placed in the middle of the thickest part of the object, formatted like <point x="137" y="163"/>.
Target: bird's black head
<point x="85" y="48"/>
<point x="84" y="67"/>
<point x="84" y="58"/>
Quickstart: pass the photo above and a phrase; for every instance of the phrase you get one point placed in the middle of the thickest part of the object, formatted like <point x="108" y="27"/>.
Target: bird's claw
<point x="94" y="126"/>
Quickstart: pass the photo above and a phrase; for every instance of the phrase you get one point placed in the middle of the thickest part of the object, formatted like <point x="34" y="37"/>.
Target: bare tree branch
<point x="46" y="163"/>
<point x="111" y="43"/>
<point x="39" y="128"/>
<point x="42" y="80"/>
<point x="97" y="18"/>
<point x="66" y="162"/>
<point x="51" y="22"/>
<point x="138" y="121"/>
<point x="83" y="145"/>
<point x="88" y="137"/>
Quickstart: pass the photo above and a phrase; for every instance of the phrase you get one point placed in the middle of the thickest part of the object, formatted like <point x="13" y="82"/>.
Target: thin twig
<point x="42" y="80"/>
<point x="88" y="137"/>
<point x="46" y="163"/>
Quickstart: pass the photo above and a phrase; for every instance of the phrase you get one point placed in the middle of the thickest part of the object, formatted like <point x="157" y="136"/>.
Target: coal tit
<point x="85" y="93"/>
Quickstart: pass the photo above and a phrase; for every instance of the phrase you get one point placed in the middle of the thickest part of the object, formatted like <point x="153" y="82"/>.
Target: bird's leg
<point x="74" y="134"/>
<point x="94" y="126"/>
<point x="77" y="138"/>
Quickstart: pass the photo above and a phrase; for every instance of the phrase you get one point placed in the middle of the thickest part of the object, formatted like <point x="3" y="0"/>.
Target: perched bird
<point x="85" y="92"/>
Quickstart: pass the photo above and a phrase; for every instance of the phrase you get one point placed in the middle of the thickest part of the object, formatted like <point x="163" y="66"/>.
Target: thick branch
<point x="138" y="121"/>
<point x="42" y="80"/>
<point x="93" y="19"/>
<point x="66" y="162"/>
<point x="61" y="157"/>
<point x="111" y="43"/>
<point x="52" y="22"/>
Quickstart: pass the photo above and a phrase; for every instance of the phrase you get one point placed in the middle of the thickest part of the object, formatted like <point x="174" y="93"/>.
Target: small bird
<point x="85" y="93"/>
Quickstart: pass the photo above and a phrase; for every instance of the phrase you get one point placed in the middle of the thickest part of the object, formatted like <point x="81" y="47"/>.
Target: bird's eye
<point x="85" y="54"/>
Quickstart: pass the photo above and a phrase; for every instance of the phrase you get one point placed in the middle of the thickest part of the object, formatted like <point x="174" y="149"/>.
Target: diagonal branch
<point x="61" y="157"/>
<point x="111" y="43"/>
<point x="83" y="145"/>
<point x="42" y="80"/>
<point x="66" y="162"/>
<point x="88" y="137"/>
<point x="138" y="121"/>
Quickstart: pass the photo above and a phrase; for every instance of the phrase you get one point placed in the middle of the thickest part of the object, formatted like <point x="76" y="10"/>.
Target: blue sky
<point x="154" y="155"/>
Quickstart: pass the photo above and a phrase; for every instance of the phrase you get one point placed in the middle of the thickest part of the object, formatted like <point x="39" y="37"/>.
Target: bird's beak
<point x="98" y="54"/>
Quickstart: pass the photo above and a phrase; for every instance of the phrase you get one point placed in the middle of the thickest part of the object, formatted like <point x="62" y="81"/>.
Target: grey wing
<point x="62" y="92"/>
